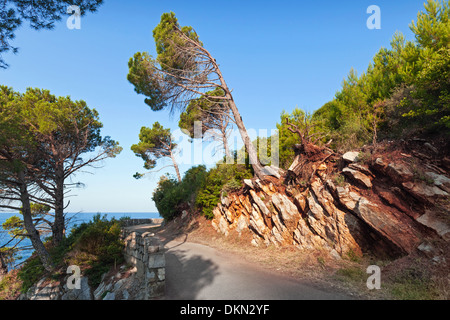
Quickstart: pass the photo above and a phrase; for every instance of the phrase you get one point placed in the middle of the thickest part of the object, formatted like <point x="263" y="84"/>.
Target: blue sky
<point x="276" y="55"/>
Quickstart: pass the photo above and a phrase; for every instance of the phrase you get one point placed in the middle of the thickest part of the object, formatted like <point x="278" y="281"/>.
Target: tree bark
<point x="3" y="267"/>
<point x="175" y="165"/>
<point x="58" y="227"/>
<point x="32" y="233"/>
<point x="251" y="150"/>
<point x="225" y="145"/>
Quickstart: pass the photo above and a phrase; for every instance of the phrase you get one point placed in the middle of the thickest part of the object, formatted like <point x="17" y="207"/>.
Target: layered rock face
<point x="385" y="203"/>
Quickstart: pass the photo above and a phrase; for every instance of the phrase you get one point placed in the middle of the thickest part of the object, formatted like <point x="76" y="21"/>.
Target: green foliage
<point x="94" y="246"/>
<point x="414" y="283"/>
<point x="144" y="70"/>
<point x="199" y="189"/>
<point x="31" y="273"/>
<point x="211" y="112"/>
<point x="222" y="178"/>
<point x="167" y="41"/>
<point x="172" y="196"/>
<point x="353" y="274"/>
<point x="287" y="138"/>
<point x="141" y="75"/>
<point x="405" y="90"/>
<point x="9" y="286"/>
<point x="154" y="143"/>
<point x="432" y="89"/>
<point x="37" y="127"/>
<point x="167" y="197"/>
<point x="100" y="242"/>
<point x="306" y="124"/>
<point x="14" y="226"/>
<point x="432" y="29"/>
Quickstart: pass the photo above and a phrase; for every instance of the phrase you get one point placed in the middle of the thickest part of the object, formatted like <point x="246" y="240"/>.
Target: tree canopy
<point x="183" y="72"/>
<point x="43" y="141"/>
<point x="213" y="116"/>
<point x="405" y="90"/>
<point x="155" y="143"/>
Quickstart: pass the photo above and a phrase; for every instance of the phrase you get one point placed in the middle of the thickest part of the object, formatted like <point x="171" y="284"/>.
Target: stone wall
<point x="145" y="252"/>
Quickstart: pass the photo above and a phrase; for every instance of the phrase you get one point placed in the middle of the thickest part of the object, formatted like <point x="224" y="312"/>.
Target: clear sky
<point x="276" y="55"/>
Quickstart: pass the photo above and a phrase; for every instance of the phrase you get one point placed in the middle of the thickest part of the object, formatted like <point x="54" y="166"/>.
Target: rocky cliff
<point x="388" y="201"/>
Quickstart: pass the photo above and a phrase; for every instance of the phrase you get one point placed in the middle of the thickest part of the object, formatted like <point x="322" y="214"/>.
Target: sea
<point x="73" y="220"/>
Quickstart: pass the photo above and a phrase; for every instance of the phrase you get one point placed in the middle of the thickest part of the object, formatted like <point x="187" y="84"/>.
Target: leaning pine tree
<point x="155" y="143"/>
<point x="182" y="72"/>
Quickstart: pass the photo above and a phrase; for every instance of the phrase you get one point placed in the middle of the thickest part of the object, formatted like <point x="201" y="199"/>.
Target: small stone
<point x="335" y="254"/>
<point x="249" y="183"/>
<point x="431" y="147"/>
<point x="351" y="156"/>
<point x="426" y="248"/>
<point x="358" y="176"/>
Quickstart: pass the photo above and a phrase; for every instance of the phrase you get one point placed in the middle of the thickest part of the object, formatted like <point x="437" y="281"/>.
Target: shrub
<point x="172" y="196"/>
<point x="222" y="178"/>
<point x="95" y="247"/>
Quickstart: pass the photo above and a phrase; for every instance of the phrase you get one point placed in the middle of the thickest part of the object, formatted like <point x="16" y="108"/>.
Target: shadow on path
<point x="187" y="274"/>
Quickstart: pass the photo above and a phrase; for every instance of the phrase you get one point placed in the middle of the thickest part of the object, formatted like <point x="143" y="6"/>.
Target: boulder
<point x="40" y="292"/>
<point x="257" y="223"/>
<point x="437" y="223"/>
<point x="271" y="171"/>
<point x="439" y="180"/>
<point x="285" y="207"/>
<point x="82" y="294"/>
<point x="394" y="228"/>
<point x="359" y="177"/>
<point x="399" y="172"/>
<point x="424" y="192"/>
<point x="249" y="183"/>
<point x="351" y="156"/>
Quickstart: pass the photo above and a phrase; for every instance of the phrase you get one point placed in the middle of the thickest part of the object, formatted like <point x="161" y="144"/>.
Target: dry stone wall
<point x="145" y="252"/>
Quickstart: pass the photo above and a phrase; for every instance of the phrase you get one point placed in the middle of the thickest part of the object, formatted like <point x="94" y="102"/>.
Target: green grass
<point x="351" y="274"/>
<point x="413" y="284"/>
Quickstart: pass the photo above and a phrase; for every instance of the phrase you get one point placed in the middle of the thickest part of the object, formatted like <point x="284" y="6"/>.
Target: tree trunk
<point x="32" y="233"/>
<point x="58" y="227"/>
<point x="175" y="165"/>
<point x="251" y="150"/>
<point x="3" y="267"/>
<point x="225" y="145"/>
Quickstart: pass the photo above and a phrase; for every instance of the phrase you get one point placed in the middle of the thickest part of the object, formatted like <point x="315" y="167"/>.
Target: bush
<point x="199" y="189"/>
<point x="222" y="178"/>
<point x="172" y="196"/>
<point x="95" y="247"/>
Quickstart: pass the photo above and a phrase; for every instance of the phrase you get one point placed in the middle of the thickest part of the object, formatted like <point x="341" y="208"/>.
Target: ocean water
<point x="73" y="219"/>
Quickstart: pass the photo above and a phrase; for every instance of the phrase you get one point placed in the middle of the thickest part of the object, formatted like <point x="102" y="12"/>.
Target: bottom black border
<point x="227" y="309"/>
